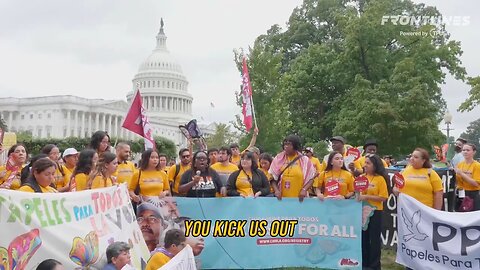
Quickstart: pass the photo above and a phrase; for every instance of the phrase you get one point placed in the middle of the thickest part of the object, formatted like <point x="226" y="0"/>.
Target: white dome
<point x="160" y="60"/>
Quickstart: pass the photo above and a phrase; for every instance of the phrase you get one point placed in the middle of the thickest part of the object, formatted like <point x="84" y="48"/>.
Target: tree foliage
<point x="337" y="70"/>
<point x="472" y="134"/>
<point x="223" y="136"/>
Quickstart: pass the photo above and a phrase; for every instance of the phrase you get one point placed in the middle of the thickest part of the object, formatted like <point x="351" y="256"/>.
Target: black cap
<point x="462" y="140"/>
<point x="370" y="142"/>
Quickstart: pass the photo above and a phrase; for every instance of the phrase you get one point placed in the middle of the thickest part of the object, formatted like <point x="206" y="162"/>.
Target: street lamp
<point x="448" y="120"/>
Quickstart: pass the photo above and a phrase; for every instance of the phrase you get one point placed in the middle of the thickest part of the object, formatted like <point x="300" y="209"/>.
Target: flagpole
<point x="253" y="109"/>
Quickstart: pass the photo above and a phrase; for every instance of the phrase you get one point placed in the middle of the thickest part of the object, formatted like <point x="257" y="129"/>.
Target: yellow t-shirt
<point x="16" y="183"/>
<point x="171" y="174"/>
<point x="244" y="187"/>
<point x="100" y="182"/>
<point x="269" y="176"/>
<point x="152" y="183"/>
<point x="81" y="181"/>
<point x="70" y="171"/>
<point x="344" y="178"/>
<point x="360" y="163"/>
<point x="61" y="180"/>
<point x="292" y="179"/>
<point x="472" y="170"/>
<point x="316" y="163"/>
<point x="420" y="185"/>
<point x="376" y="187"/>
<point x="236" y="160"/>
<point x="224" y="171"/>
<point x="124" y="172"/>
<point x="158" y="260"/>
<point x="47" y="189"/>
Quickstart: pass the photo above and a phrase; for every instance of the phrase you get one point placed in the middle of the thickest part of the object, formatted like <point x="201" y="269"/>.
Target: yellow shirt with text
<point x="377" y="186"/>
<point x="292" y="179"/>
<point x="243" y="185"/>
<point x="344" y="178"/>
<point x="472" y="170"/>
<point x="16" y="183"/>
<point x="152" y="183"/>
<point x="124" y="172"/>
<point x="420" y="185"/>
<point x="360" y="163"/>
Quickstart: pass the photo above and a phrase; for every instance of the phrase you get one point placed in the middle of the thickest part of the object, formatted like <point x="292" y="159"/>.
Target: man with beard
<point x="125" y="167"/>
<point x="338" y="145"/>
<point x="175" y="172"/>
<point x="223" y="166"/>
<point x="151" y="224"/>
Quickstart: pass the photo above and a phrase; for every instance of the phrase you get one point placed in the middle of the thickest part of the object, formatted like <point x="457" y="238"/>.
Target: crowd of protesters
<point x="227" y="171"/>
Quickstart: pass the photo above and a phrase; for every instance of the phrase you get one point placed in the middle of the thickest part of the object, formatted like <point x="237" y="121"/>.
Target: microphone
<point x="198" y="172"/>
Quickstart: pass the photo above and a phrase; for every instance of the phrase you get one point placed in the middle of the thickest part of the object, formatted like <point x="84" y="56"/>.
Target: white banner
<point x="184" y="260"/>
<point x="74" y="228"/>
<point x="432" y="239"/>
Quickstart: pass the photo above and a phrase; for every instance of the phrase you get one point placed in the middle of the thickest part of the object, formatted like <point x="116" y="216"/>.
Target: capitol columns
<point x="115" y="129"/>
<point x="97" y="121"/>
<point x="84" y="123"/>
<point x="90" y="123"/>
<point x="69" y="120"/>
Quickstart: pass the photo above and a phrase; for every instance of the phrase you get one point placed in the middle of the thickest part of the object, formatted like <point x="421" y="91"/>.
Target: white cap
<point x="69" y="152"/>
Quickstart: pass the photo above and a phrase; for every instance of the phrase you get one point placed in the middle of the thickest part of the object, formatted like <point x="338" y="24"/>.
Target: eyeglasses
<point x="150" y="219"/>
<point x="201" y="158"/>
<point x="187" y="156"/>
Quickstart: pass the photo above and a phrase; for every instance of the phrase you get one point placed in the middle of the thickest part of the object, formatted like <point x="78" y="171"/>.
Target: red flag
<point x="136" y="121"/>
<point x="247" y="97"/>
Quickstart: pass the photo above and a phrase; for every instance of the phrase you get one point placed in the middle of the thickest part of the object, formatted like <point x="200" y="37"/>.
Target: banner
<point x="247" y="97"/>
<point x="432" y="239"/>
<point x="136" y="121"/>
<point x="389" y="215"/>
<point x="73" y="228"/>
<point x="261" y="233"/>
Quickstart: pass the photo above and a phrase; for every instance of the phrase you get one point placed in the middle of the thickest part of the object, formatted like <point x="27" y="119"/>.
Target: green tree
<point x="223" y="136"/>
<point x="337" y="69"/>
<point x="472" y="134"/>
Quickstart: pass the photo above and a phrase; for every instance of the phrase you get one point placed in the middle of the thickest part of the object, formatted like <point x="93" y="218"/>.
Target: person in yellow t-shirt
<point x="163" y="162"/>
<point x="223" y="166"/>
<point x="468" y="174"/>
<point x="292" y="172"/>
<point x="149" y="179"/>
<point x="126" y="168"/>
<point x="421" y="182"/>
<point x="87" y="161"/>
<point x="248" y="181"/>
<point x="102" y="176"/>
<point x="370" y="148"/>
<point x="235" y="148"/>
<point x="11" y="170"/>
<point x="338" y="145"/>
<point x="176" y="171"/>
<point x="212" y="155"/>
<point x="335" y="171"/>
<point x="100" y="142"/>
<point x="376" y="194"/>
<point x="41" y="178"/>
<point x="70" y="159"/>
<point x="265" y="162"/>
<point x="175" y="241"/>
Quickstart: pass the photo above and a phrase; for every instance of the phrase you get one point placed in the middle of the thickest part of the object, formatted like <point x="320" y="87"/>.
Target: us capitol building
<point x="163" y="87"/>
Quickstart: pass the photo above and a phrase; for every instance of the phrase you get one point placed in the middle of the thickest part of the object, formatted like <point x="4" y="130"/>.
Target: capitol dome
<point x="163" y="85"/>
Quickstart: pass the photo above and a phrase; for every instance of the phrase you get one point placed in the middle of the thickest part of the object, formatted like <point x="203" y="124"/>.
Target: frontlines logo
<point x="426" y="20"/>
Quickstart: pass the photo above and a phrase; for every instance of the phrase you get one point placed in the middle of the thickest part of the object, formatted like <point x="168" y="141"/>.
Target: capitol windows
<point x="22" y="117"/>
<point x="49" y="116"/>
<point x="31" y="116"/>
<point x="148" y="84"/>
<point x="40" y="116"/>
<point x="168" y="84"/>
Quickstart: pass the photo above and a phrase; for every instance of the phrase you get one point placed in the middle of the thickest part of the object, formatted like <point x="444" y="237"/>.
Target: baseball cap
<point x="254" y="149"/>
<point x="69" y="152"/>
<point x="148" y="206"/>
<point x="309" y="149"/>
<point x="370" y="142"/>
<point x="338" y="138"/>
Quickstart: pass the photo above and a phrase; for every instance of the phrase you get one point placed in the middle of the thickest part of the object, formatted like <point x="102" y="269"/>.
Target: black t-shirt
<point x="208" y="185"/>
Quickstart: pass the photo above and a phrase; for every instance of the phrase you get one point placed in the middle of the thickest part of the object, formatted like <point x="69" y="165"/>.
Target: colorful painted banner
<point x="261" y="233"/>
<point x="73" y="228"/>
<point x="432" y="239"/>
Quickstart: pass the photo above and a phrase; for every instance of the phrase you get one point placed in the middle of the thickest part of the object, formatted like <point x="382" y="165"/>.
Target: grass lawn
<point x="388" y="262"/>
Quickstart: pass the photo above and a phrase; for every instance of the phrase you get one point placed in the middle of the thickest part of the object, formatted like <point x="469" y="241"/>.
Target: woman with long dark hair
<point x="102" y="176"/>
<point x="248" y="181"/>
<point x="468" y="175"/>
<point x="375" y="195"/>
<point x="41" y="177"/>
<point x="335" y="171"/>
<point x="421" y="182"/>
<point x="292" y="172"/>
<point x="201" y="180"/>
<point x="100" y="142"/>
<point x="11" y="171"/>
<point x="149" y="180"/>
<point x="87" y="160"/>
